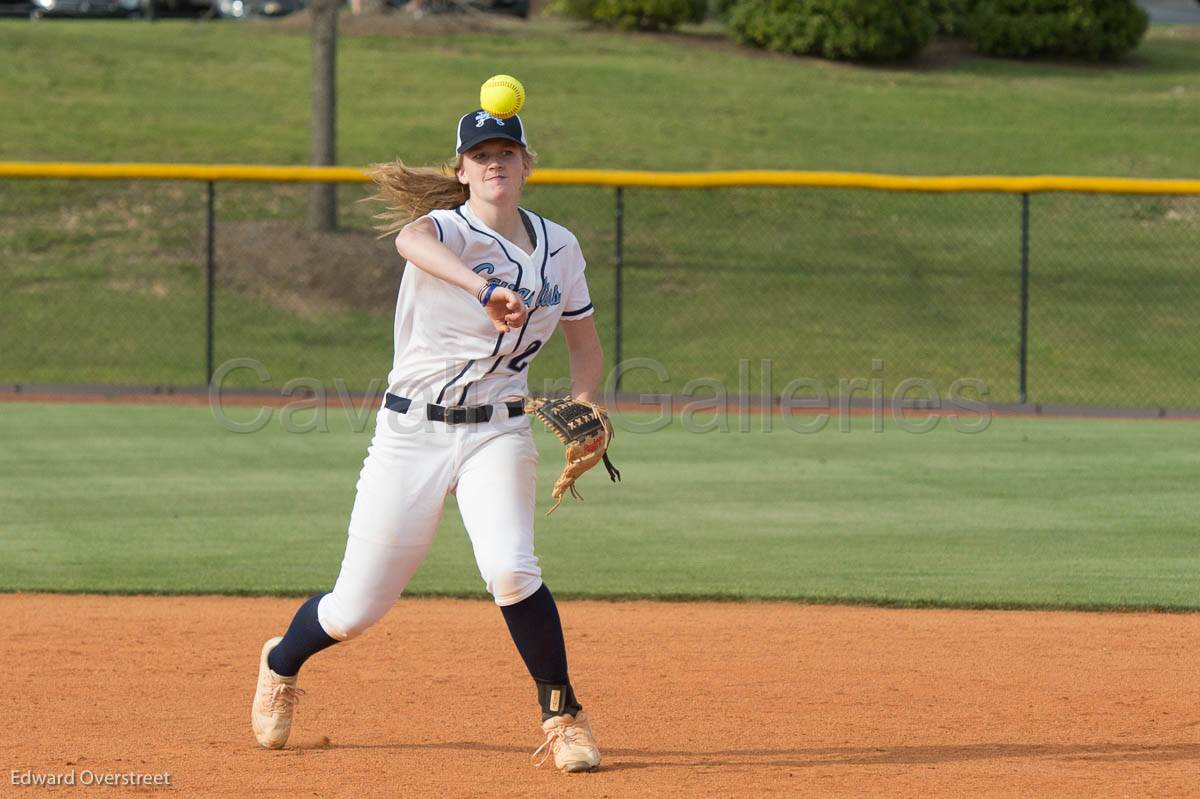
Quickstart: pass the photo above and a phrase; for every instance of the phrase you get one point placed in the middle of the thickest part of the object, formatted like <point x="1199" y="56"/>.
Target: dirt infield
<point x="705" y="699"/>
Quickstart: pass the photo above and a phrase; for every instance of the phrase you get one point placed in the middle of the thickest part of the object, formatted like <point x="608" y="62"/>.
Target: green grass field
<point x="1027" y="513"/>
<point x="102" y="283"/>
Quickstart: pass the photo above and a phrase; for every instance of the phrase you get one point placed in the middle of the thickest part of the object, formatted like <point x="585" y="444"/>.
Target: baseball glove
<point x="585" y="429"/>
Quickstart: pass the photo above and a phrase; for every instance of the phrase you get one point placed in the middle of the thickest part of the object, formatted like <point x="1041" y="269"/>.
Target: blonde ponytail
<point x="409" y="192"/>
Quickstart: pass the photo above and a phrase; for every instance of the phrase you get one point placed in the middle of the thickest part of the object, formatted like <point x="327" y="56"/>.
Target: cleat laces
<point x="283" y="694"/>
<point x="566" y="735"/>
<point x="547" y="747"/>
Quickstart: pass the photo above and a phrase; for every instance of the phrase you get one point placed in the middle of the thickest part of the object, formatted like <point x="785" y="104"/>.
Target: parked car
<point x="85" y="8"/>
<point x="246" y="9"/>
<point x="109" y="8"/>
<point x="16" y="8"/>
<point x="178" y="8"/>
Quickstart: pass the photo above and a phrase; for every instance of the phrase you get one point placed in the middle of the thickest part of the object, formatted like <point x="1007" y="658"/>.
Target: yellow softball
<point x="502" y="96"/>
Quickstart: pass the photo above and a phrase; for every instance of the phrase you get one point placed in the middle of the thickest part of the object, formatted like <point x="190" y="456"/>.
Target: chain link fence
<point x="1057" y="298"/>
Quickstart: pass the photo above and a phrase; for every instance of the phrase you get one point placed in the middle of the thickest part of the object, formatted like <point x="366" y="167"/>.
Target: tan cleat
<point x="274" y="701"/>
<point x="571" y="740"/>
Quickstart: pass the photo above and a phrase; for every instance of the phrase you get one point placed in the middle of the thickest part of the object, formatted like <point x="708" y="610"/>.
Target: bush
<point x="721" y="8"/>
<point x="951" y="15"/>
<point x="872" y="30"/>
<point x="1091" y="29"/>
<point x="639" y="14"/>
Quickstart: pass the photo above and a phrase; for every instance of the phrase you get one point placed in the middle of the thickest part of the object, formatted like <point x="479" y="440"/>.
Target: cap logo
<point x="483" y="116"/>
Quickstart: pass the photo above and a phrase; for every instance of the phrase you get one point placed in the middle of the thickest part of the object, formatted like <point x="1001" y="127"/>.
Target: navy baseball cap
<point x="479" y="126"/>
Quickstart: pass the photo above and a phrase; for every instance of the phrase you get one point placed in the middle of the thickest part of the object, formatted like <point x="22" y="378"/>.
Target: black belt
<point x="453" y="414"/>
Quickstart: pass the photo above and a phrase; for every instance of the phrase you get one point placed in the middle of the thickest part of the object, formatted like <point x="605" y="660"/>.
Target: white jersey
<point x="447" y="350"/>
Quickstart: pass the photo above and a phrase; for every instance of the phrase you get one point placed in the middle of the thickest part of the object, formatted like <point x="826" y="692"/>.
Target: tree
<point x="322" y="197"/>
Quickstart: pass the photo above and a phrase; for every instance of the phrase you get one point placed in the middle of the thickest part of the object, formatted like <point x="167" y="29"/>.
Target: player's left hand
<point x="585" y="429"/>
<point x="506" y="309"/>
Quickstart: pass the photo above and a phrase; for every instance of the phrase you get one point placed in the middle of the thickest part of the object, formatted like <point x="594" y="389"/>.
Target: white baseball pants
<point x="411" y="466"/>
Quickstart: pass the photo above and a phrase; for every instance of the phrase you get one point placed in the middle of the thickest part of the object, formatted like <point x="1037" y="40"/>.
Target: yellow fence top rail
<point x="625" y="178"/>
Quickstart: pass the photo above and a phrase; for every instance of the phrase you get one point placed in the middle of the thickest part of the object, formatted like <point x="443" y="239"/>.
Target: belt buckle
<point x="467" y="414"/>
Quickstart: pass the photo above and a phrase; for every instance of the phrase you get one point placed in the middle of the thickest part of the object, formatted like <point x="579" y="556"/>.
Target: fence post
<point x="619" y="260"/>
<point x="210" y="267"/>
<point x="1023" y="385"/>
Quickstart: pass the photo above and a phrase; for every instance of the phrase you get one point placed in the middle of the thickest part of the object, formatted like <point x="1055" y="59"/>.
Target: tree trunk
<point x="322" y="197"/>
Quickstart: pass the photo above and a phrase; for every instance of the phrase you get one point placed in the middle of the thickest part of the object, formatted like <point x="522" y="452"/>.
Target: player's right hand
<point x="506" y="309"/>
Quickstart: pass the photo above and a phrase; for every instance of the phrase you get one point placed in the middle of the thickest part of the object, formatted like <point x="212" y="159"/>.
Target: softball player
<point x="485" y="285"/>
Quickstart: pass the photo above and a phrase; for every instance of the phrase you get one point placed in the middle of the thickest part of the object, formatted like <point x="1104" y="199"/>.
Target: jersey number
<point x="519" y="362"/>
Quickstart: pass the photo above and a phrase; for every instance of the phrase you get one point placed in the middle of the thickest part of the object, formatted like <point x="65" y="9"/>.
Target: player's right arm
<point x="418" y="243"/>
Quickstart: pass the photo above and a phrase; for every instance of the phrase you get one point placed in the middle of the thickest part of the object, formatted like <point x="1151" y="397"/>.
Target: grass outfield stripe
<point x="1079" y="514"/>
<point x="816" y="600"/>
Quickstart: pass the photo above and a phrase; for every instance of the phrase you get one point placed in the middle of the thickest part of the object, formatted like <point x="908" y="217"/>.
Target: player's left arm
<point x="586" y="357"/>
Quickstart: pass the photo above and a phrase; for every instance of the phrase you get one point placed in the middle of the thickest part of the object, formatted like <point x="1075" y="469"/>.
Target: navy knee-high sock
<point x="304" y="637"/>
<point x="536" y="629"/>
